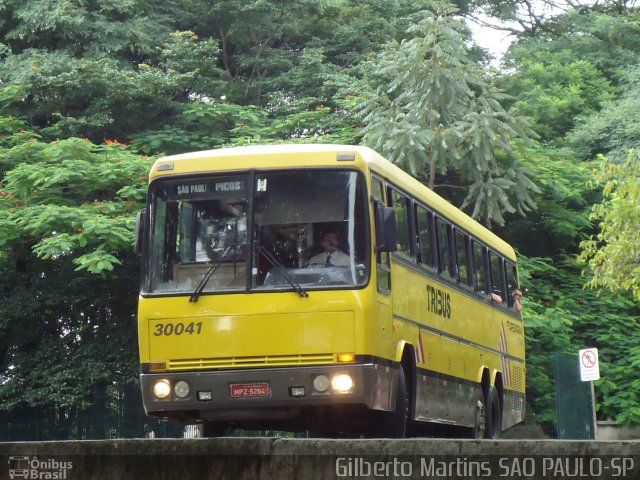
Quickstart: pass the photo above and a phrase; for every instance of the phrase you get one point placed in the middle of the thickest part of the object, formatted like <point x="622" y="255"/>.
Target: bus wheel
<point x="479" y="429"/>
<point x="494" y="414"/>
<point x="394" y="424"/>
<point x="214" y="429"/>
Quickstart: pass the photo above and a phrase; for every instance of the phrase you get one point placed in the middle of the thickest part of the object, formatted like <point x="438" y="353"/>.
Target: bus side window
<point x="497" y="276"/>
<point x="423" y="227"/>
<point x="383" y="277"/>
<point x="512" y="281"/>
<point x="444" y="252"/>
<point x="377" y="190"/>
<point x="462" y="263"/>
<point x="400" y="204"/>
<point x="480" y="283"/>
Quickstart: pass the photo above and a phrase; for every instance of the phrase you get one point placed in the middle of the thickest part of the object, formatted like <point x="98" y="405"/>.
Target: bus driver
<point x="331" y="254"/>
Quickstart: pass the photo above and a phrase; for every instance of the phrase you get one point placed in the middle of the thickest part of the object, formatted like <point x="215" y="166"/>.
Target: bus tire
<point x="479" y="429"/>
<point x="214" y="429"/>
<point x="494" y="414"/>
<point x="394" y="424"/>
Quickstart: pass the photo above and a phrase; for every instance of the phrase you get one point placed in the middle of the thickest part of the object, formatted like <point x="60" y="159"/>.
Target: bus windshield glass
<point x="303" y="228"/>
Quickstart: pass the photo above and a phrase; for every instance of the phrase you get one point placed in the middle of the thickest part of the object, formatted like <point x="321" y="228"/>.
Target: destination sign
<point x="194" y="188"/>
<point x="203" y="188"/>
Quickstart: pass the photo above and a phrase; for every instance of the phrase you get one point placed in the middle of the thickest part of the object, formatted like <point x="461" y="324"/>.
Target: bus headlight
<point x="181" y="389"/>
<point x="342" y="383"/>
<point x="161" y="389"/>
<point x="321" y="383"/>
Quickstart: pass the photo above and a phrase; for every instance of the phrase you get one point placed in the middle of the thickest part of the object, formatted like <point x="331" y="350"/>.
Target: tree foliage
<point x="554" y="92"/>
<point x="561" y="219"/>
<point x="101" y="98"/>
<point x="574" y="74"/>
<point x="67" y="324"/>
<point x="128" y="28"/>
<point x="433" y="111"/>
<point x="561" y="316"/>
<point x="603" y="36"/>
<point x="71" y="199"/>
<point x="614" y="130"/>
<point x="612" y="254"/>
<point x="262" y="41"/>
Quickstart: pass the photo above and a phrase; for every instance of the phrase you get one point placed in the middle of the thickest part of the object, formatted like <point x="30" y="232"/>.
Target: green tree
<point x="561" y="219"/>
<point x="128" y="29"/>
<point x="606" y="36"/>
<point x="66" y="228"/>
<point x="561" y="316"/>
<point x="552" y="93"/>
<point x="103" y="73"/>
<point x="71" y="199"/>
<point x="433" y="111"/>
<point x="105" y="99"/>
<point x="612" y="254"/>
<point x="566" y="68"/>
<point x="261" y="42"/>
<point x="615" y="129"/>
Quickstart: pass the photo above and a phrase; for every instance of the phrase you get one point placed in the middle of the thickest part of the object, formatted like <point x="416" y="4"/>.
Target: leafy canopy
<point x="71" y="198"/>
<point x="615" y="129"/>
<point x="432" y="110"/>
<point x="613" y="254"/>
<point x="561" y="316"/>
<point x="554" y="91"/>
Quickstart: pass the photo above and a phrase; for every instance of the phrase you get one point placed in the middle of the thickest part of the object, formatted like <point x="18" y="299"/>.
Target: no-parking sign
<point x="589" y="366"/>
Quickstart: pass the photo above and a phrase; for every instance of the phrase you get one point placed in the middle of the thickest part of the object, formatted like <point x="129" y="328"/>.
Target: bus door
<point x="383" y="276"/>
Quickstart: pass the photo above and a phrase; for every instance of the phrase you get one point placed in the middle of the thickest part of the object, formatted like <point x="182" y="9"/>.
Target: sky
<point x="495" y="41"/>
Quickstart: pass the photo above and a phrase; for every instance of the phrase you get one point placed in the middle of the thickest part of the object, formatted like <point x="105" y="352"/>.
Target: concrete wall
<point x="613" y="431"/>
<point x="277" y="458"/>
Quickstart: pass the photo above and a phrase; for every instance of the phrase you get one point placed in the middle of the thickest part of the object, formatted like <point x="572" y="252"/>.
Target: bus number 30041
<point x="178" y="329"/>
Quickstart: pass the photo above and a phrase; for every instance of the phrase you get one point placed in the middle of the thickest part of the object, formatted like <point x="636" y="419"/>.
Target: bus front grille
<point x="258" y="361"/>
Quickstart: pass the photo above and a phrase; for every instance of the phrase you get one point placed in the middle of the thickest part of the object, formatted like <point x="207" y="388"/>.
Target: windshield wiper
<point x="283" y="271"/>
<point x="203" y="282"/>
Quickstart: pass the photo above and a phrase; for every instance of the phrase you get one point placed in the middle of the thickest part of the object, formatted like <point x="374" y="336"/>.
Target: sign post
<point x="590" y="371"/>
<point x="589" y="365"/>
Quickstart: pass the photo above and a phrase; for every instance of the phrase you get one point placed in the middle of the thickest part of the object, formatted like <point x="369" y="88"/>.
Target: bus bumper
<point x="264" y="393"/>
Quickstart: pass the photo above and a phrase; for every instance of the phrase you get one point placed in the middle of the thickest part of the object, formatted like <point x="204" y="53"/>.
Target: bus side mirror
<point x="386" y="237"/>
<point x="140" y="221"/>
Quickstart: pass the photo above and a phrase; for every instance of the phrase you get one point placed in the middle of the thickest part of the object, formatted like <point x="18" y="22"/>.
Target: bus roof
<point x="322" y="155"/>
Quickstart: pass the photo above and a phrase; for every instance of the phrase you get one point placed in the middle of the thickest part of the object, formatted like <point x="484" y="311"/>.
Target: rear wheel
<point x="494" y="414"/>
<point x="479" y="429"/>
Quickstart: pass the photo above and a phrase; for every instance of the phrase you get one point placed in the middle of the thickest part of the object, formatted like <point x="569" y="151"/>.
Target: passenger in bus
<point x="496" y="297"/>
<point x="331" y="254"/>
<point x="517" y="299"/>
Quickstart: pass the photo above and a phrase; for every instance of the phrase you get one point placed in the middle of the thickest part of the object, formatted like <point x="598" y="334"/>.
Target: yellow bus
<point x="321" y="288"/>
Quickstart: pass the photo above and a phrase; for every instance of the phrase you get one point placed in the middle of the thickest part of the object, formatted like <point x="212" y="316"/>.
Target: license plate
<point x="244" y="390"/>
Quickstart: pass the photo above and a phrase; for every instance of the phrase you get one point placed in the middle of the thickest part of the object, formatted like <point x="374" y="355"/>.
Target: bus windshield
<point x="304" y="228"/>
